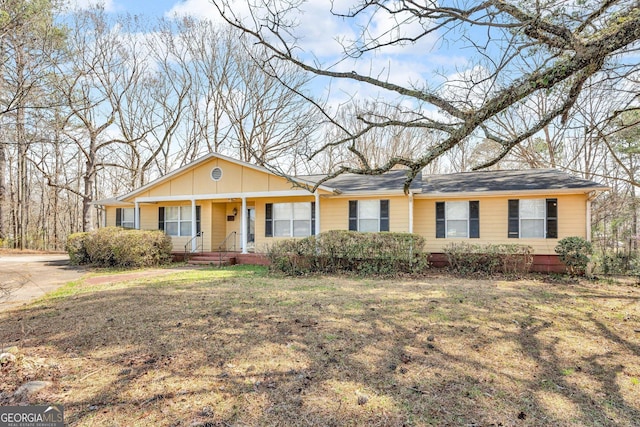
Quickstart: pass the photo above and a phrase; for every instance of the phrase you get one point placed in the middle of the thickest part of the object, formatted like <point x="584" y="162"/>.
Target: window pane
<point x="533" y="228"/>
<point x="282" y="228"/>
<point x="369" y="209"/>
<point x="171" y="228"/>
<point x="457" y="228"/>
<point x="127" y="215"/>
<point x="532" y="209"/>
<point x="185" y="228"/>
<point x="281" y="211"/>
<point x="171" y="213"/>
<point x="185" y="213"/>
<point x="301" y="228"/>
<point x="368" y="225"/>
<point x="126" y="224"/>
<point x="302" y="211"/>
<point x="458" y="210"/>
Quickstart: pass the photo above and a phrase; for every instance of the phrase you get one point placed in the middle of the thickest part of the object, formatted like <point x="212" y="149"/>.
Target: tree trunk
<point x="3" y="189"/>
<point x="87" y="194"/>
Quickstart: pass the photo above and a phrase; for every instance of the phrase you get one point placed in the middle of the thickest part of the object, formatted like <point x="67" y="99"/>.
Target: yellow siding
<point x="235" y="179"/>
<point x="160" y="190"/>
<point x="110" y="215"/>
<point x="334" y="213"/>
<point x="494" y="222"/>
<point x="278" y="183"/>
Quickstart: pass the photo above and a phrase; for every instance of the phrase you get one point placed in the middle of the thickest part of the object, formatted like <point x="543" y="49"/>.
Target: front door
<point x="251" y="228"/>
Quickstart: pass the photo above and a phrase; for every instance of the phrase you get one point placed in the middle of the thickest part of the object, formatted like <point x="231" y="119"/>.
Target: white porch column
<point x="243" y="225"/>
<point x="317" y="230"/>
<point x="194" y="225"/>
<point x="136" y="216"/>
<point x="410" y="212"/>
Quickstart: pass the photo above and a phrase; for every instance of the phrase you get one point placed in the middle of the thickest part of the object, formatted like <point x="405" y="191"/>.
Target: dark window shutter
<point x="474" y="219"/>
<point x="353" y="215"/>
<point x="514" y="219"/>
<point x="197" y="220"/>
<point x="552" y="218"/>
<point x="161" y="218"/>
<point x="268" y="220"/>
<point x="384" y="215"/>
<point x="440" y="221"/>
<point x="118" y="217"/>
<point x="313" y="218"/>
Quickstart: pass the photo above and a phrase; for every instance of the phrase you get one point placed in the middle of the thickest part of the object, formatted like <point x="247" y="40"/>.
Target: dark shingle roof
<point x="464" y="182"/>
<point x="391" y="181"/>
<point x="506" y="180"/>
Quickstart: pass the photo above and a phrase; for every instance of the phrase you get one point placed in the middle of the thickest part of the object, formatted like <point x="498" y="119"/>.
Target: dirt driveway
<point x="27" y="277"/>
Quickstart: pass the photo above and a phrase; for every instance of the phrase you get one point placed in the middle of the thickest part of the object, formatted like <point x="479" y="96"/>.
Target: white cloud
<point x="200" y="9"/>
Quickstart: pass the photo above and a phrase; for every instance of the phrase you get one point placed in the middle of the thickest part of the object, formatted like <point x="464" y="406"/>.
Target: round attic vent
<point x="216" y="174"/>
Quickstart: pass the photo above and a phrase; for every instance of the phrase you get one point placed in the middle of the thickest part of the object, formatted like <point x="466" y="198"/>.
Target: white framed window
<point x="457" y="217"/>
<point x="460" y="219"/>
<point x="369" y="215"/>
<point x="532" y="218"/>
<point x="176" y="220"/>
<point x="290" y="219"/>
<point x="128" y="218"/>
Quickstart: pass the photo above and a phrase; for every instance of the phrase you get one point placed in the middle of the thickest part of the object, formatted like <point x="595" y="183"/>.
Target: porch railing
<point x="199" y="239"/>
<point x="224" y="247"/>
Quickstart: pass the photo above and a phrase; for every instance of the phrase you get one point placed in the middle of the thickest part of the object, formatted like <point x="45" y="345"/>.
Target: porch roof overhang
<point x="111" y="202"/>
<point x="222" y="196"/>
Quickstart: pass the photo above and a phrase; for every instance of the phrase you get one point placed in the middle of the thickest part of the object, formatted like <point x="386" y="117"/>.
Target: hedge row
<point x="348" y="251"/>
<point x="118" y="247"/>
<point x="466" y="258"/>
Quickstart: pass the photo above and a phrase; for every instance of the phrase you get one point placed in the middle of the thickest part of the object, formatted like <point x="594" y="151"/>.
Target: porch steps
<point x="212" y="258"/>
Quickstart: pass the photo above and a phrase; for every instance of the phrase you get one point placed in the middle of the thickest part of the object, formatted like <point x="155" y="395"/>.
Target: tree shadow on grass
<point x="335" y="352"/>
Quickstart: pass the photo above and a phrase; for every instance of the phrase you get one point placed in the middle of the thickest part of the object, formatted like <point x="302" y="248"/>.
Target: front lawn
<point x="239" y="347"/>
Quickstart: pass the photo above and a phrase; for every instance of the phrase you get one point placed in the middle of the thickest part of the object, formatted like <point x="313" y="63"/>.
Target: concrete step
<point x="213" y="259"/>
<point x="216" y="263"/>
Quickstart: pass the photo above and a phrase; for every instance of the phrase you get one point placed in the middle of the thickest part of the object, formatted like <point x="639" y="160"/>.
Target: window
<point x="290" y="219"/>
<point x="125" y="217"/>
<point x="176" y="220"/>
<point x="369" y="215"/>
<point x="533" y="218"/>
<point x="458" y="219"/>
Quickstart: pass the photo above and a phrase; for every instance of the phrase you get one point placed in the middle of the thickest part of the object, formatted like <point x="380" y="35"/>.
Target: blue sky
<point x="426" y="62"/>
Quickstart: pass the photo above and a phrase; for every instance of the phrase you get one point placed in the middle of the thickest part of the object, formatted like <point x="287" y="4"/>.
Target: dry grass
<point x="237" y="347"/>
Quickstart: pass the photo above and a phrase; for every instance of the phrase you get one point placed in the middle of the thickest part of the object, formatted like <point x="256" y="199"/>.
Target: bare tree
<point x="581" y="44"/>
<point x="28" y="40"/>
<point x="101" y="74"/>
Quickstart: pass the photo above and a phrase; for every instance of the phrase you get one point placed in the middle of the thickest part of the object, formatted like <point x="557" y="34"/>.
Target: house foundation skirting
<point x="541" y="263"/>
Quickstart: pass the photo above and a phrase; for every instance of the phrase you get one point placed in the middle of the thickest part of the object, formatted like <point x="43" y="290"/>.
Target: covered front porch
<point x="215" y="222"/>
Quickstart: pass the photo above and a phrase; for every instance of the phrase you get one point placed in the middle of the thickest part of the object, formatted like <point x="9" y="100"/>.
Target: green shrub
<point x="76" y="248"/>
<point x="575" y="253"/>
<point x="117" y="247"/>
<point x="348" y="251"/>
<point x="468" y="258"/>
